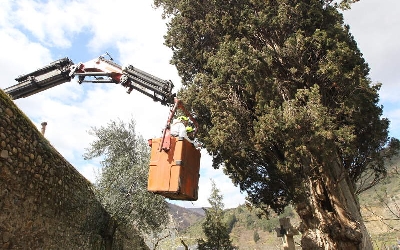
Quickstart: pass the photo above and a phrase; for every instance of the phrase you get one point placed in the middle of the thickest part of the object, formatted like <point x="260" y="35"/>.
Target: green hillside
<point x="380" y="207"/>
<point x="247" y="230"/>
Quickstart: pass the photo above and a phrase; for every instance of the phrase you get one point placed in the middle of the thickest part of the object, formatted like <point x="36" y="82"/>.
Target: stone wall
<point x="45" y="203"/>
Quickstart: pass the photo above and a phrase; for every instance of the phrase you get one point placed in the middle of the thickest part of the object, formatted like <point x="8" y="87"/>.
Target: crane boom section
<point x="99" y="70"/>
<point x="44" y="78"/>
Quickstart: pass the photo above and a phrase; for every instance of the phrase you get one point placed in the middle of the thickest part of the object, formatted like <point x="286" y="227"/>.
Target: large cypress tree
<point x="286" y="107"/>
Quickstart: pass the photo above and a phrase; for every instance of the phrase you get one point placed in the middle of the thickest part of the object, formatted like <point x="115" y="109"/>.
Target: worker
<point x="178" y="127"/>
<point x="189" y="132"/>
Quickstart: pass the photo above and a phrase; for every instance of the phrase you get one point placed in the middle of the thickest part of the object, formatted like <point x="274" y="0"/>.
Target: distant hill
<point x="198" y="210"/>
<point x="184" y="217"/>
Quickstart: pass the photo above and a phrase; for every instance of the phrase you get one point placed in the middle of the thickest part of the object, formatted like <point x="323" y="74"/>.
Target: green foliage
<point x="280" y="89"/>
<point x="249" y="222"/>
<point x="256" y="236"/>
<point x="240" y="234"/>
<point x="230" y="222"/>
<point x="214" y="228"/>
<point x="122" y="185"/>
<point x="344" y="4"/>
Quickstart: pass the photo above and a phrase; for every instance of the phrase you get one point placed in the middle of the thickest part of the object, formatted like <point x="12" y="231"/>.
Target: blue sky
<point x="34" y="33"/>
<point x="375" y="26"/>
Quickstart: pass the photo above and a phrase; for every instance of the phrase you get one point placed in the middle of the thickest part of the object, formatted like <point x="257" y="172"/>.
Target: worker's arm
<point x="183" y="133"/>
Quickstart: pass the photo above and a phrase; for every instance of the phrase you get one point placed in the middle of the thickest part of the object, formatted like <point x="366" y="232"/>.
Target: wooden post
<point x="43" y="127"/>
<point x="286" y="231"/>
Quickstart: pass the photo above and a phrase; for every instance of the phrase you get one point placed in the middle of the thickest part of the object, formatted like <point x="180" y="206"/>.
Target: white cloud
<point x="18" y="55"/>
<point x="54" y="22"/>
<point x="6" y="7"/>
<point x="375" y="26"/>
<point x="90" y="171"/>
<point x="119" y="22"/>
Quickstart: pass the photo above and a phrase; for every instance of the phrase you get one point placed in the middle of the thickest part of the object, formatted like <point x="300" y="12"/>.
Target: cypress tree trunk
<point x="331" y="217"/>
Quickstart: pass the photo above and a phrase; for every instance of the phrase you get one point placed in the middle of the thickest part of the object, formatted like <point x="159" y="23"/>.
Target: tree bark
<point x="331" y="217"/>
<point x="184" y="244"/>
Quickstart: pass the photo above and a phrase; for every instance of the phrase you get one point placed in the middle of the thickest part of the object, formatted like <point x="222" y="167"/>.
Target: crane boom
<point x="99" y="70"/>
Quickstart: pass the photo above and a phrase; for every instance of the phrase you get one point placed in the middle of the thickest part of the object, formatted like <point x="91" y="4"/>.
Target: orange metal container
<point x="175" y="173"/>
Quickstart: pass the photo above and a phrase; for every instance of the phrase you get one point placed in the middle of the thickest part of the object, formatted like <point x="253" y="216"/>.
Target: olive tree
<point x="122" y="184"/>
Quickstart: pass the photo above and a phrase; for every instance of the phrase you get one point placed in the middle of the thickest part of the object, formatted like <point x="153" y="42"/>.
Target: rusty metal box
<point x="174" y="173"/>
